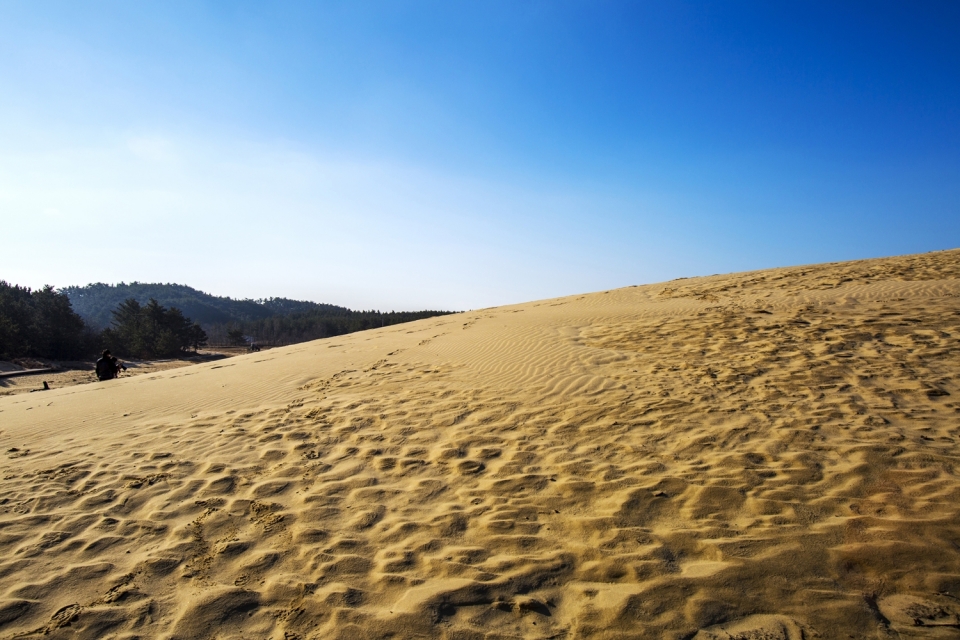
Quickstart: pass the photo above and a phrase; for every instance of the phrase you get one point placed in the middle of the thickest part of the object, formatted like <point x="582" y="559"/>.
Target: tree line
<point x="228" y="321"/>
<point x="96" y="302"/>
<point x="43" y="324"/>
<point x="152" y="331"/>
<point x="309" y="325"/>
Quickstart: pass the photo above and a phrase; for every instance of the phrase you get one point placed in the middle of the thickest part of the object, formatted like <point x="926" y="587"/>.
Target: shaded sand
<point x="761" y="455"/>
<point x="79" y="374"/>
<point x="68" y="374"/>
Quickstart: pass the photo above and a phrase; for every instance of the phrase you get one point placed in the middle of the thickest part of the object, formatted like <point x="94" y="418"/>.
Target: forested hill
<point x="96" y="302"/>
<point x="273" y="321"/>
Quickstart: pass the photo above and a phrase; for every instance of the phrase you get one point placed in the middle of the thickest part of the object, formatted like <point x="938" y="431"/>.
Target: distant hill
<point x="271" y="321"/>
<point x="95" y="302"/>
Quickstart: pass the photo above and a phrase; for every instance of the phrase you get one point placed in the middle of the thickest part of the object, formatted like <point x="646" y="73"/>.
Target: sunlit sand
<point x="760" y="455"/>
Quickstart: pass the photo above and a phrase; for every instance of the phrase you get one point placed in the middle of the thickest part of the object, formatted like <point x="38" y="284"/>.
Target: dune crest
<point x="761" y="455"/>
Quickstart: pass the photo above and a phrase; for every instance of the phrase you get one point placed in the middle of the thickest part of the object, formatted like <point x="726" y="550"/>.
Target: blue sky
<point x="401" y="155"/>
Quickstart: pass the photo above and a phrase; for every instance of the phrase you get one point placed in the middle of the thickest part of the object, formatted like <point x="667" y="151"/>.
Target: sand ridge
<point x="762" y="455"/>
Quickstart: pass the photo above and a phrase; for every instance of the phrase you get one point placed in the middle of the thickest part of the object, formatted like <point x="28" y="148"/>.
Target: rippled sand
<point x="762" y="455"/>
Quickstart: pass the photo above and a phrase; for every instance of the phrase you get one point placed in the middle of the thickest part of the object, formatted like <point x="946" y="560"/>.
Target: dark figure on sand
<point x="108" y="367"/>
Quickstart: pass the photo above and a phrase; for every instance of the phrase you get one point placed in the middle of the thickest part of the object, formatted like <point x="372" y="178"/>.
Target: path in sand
<point x="771" y="454"/>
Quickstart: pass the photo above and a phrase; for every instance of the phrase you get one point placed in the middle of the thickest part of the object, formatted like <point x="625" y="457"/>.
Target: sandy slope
<point x="761" y="455"/>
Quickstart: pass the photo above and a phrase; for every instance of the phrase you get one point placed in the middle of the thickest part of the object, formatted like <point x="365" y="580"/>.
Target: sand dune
<point x="761" y="455"/>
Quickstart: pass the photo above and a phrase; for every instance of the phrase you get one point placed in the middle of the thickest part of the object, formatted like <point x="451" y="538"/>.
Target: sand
<point x="761" y="455"/>
<point x="68" y="374"/>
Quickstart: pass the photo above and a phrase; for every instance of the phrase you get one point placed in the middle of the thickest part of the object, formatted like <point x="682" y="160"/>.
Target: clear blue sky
<point x="402" y="155"/>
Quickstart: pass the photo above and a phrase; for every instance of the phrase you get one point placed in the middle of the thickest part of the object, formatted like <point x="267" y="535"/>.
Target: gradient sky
<point x="458" y="155"/>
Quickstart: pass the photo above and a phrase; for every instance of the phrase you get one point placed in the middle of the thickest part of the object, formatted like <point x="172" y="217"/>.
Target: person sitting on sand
<point x="108" y="367"/>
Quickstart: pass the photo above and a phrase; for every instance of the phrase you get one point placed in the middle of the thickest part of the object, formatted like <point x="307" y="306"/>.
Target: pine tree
<point x="40" y="324"/>
<point x="152" y="330"/>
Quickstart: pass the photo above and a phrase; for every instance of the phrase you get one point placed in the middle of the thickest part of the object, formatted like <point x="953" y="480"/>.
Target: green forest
<point x="95" y="303"/>
<point x="41" y="324"/>
<point x="143" y="320"/>
<point x="269" y="321"/>
<point x="310" y="325"/>
<point x="151" y="331"/>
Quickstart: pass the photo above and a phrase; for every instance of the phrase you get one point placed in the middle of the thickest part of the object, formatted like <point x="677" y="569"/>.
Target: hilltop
<point x="266" y="321"/>
<point x="95" y="302"/>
